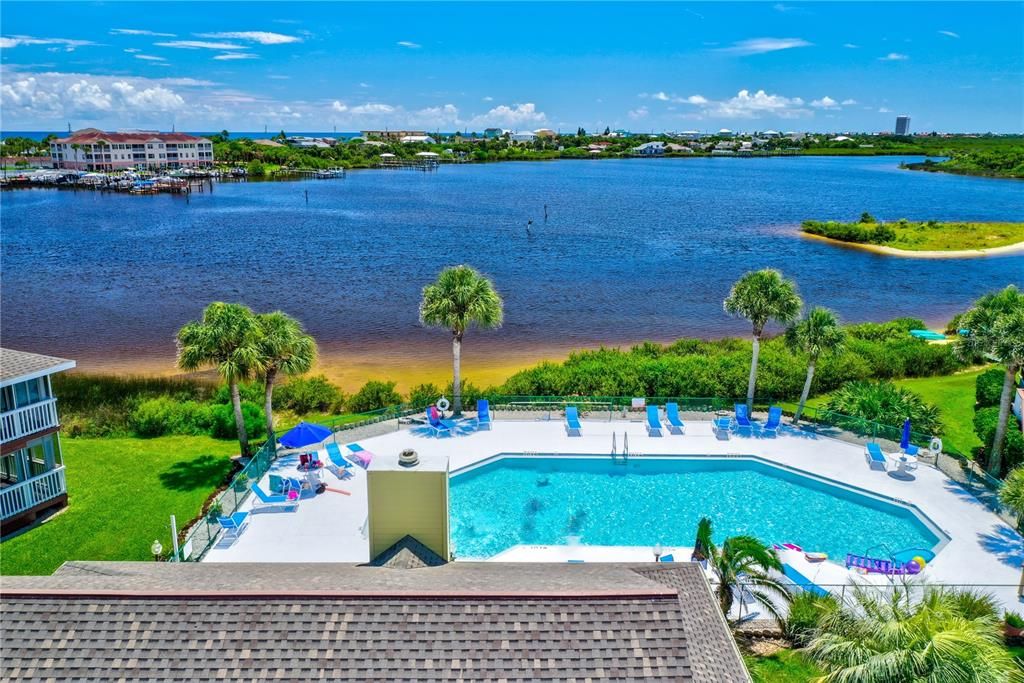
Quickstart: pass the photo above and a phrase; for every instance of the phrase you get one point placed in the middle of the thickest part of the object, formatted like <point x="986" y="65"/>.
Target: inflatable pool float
<point x="815" y="557"/>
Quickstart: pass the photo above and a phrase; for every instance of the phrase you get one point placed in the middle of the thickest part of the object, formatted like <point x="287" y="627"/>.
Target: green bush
<point x="249" y="391"/>
<point x="1014" y="620"/>
<point x="885" y="403"/>
<point x="861" y="232"/>
<point x="163" y="415"/>
<point x="985" y="422"/>
<point x="470" y="393"/>
<point x="303" y="395"/>
<point x="988" y="387"/>
<point x="372" y="396"/>
<point x="805" y="613"/>
<point x="423" y="395"/>
<point x="223" y="421"/>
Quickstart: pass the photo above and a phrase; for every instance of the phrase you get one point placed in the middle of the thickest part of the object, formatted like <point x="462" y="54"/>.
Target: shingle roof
<point x="15" y="365"/>
<point x="461" y="621"/>
<point x="90" y="136"/>
<point x="407" y="553"/>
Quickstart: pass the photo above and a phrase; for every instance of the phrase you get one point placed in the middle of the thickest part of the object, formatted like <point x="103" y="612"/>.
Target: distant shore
<point x="1017" y="248"/>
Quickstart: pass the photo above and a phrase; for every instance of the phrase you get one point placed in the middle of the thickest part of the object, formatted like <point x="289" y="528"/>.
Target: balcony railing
<point x="27" y="494"/>
<point x="28" y="420"/>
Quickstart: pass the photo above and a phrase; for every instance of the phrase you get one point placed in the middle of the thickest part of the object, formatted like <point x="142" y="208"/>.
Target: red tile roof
<point x="92" y="135"/>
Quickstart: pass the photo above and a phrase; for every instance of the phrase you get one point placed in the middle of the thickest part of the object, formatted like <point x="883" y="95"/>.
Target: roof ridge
<point x="157" y="594"/>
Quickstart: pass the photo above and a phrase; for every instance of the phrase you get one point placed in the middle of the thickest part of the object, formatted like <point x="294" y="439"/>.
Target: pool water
<point x="545" y="500"/>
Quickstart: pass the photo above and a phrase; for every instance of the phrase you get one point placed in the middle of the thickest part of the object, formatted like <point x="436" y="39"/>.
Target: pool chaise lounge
<point x="340" y="462"/>
<point x="233" y="524"/>
<point x="653" y="421"/>
<point x="743" y="423"/>
<point x="721" y="427"/>
<point x="572" y="421"/>
<point x="874" y="456"/>
<point x="436" y="425"/>
<point x="279" y="500"/>
<point x="771" y="425"/>
<point x="675" y="423"/>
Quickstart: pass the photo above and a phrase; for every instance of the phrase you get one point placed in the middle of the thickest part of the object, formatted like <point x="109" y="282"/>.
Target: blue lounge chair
<point x="875" y="457"/>
<point x="721" y="427"/>
<point x="771" y="426"/>
<point x="675" y="423"/>
<point x="742" y="419"/>
<point x="436" y="425"/>
<point x="263" y="499"/>
<point x="341" y="464"/>
<point x="483" y="414"/>
<point x="277" y="484"/>
<point x="911" y="449"/>
<point x="572" y="421"/>
<point x="233" y="525"/>
<point x="667" y="558"/>
<point x="653" y="421"/>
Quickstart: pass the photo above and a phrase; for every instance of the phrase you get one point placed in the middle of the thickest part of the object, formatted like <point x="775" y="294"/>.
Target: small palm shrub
<point x="806" y="612"/>
<point x="885" y="403"/>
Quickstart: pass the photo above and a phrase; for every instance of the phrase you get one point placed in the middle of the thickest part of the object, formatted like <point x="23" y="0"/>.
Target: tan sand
<point x="1017" y="248"/>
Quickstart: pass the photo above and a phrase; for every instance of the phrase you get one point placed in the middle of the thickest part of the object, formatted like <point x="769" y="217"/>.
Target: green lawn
<point x="121" y="493"/>
<point x="785" y="666"/>
<point x="954" y="395"/>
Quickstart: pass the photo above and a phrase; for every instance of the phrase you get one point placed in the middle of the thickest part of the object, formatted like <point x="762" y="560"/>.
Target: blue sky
<point x="466" y="66"/>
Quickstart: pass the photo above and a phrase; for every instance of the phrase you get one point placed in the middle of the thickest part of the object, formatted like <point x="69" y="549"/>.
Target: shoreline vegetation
<point x="921" y="239"/>
<point x="1007" y="163"/>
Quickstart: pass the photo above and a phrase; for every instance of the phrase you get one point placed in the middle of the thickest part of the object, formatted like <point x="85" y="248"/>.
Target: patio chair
<point x="911" y="449"/>
<point x="483" y="414"/>
<point x="341" y="464"/>
<point x="277" y="484"/>
<point x="572" y="421"/>
<point x="771" y="425"/>
<point x="742" y="419"/>
<point x="721" y="427"/>
<point x="234" y="524"/>
<point x="675" y="423"/>
<point x="874" y="456"/>
<point x="281" y="500"/>
<point x="653" y="421"/>
<point x="436" y="425"/>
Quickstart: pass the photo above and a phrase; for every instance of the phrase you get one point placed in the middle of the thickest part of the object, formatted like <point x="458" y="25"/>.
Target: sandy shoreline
<point x="1017" y="248"/>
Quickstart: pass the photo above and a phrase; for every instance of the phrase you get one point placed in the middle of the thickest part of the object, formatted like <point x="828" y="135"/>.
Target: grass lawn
<point x="785" y="666"/>
<point x="954" y="395"/>
<point x="121" y="493"/>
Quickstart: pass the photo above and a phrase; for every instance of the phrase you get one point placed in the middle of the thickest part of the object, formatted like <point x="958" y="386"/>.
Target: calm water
<point x="528" y="501"/>
<point x="631" y="249"/>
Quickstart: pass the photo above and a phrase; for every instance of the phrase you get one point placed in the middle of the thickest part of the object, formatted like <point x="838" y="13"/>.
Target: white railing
<point x="24" y="421"/>
<point x="29" y="493"/>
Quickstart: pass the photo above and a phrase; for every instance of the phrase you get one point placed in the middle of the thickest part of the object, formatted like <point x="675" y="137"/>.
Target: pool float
<point x="816" y="557"/>
<point x="792" y="546"/>
<point x="921" y="562"/>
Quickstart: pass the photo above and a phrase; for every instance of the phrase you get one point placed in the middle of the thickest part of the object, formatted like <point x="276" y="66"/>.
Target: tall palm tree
<point x="996" y="330"/>
<point x="744" y="563"/>
<point x="460" y="297"/>
<point x="762" y="296"/>
<point x="226" y="339"/>
<point x="285" y="349"/>
<point x="946" y="635"/>
<point x="1011" y="494"/>
<point x="818" y="333"/>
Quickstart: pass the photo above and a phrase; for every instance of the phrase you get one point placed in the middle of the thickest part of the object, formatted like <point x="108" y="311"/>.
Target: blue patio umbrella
<point x="304" y="434"/>
<point x="905" y="439"/>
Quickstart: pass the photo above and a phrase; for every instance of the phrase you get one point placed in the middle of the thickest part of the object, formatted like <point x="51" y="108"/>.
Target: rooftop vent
<point x="408" y="458"/>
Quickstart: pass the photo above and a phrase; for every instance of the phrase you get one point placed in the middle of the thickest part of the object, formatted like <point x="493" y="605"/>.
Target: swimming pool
<point x="543" y="500"/>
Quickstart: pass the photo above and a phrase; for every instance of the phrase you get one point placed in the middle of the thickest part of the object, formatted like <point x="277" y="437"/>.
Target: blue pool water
<point x="532" y="500"/>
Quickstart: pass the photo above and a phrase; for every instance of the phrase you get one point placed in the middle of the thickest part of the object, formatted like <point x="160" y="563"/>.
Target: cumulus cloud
<point x="696" y="99"/>
<point x="374" y="108"/>
<point x="660" y="96"/>
<point x="261" y="37"/>
<point x="69" y="43"/>
<point x="139" y="32"/>
<point x="236" y="55"/>
<point x="409" y="44"/>
<point x="894" y="57"/>
<point x="198" y="45"/>
<point x="747" y="105"/>
<point x="950" y="34"/>
<point x="50" y="95"/>
<point x="825" y="102"/>
<point x="339" y="106"/>
<point x="511" y="117"/>
<point x="756" y="46"/>
<point x="638" y="113"/>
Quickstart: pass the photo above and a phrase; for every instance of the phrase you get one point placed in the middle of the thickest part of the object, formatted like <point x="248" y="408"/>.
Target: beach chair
<point x="721" y="427"/>
<point x="742" y="419"/>
<point x="483" y="414"/>
<point x="653" y="421"/>
<point x="280" y="500"/>
<point x="340" y="462"/>
<point x="362" y="456"/>
<point x="771" y="425"/>
<point x="234" y="524"/>
<point x="675" y="423"/>
<point x="875" y="457"/>
<point x="435" y="424"/>
<point x="911" y="450"/>
<point x="572" y="421"/>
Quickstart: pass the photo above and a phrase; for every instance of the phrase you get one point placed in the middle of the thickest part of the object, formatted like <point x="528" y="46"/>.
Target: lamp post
<point x="657" y="551"/>
<point x="156" y="549"/>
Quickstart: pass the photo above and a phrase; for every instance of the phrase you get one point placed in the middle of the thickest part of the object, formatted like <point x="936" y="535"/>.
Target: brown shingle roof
<point x="15" y="365"/>
<point x="460" y="621"/>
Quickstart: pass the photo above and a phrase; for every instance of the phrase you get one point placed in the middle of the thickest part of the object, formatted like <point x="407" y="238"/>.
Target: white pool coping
<point x="982" y="550"/>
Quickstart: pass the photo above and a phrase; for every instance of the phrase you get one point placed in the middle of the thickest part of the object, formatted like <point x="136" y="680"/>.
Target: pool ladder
<point x="624" y="459"/>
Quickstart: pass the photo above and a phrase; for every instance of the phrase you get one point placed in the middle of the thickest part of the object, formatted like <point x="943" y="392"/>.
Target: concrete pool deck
<point x="982" y="550"/>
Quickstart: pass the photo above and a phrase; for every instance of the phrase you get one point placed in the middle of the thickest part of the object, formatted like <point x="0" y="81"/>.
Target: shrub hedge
<point x="985" y="422"/>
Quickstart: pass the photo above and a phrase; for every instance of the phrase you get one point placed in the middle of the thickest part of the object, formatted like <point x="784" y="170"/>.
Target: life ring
<point x="935" y="446"/>
<point x="443" y="404"/>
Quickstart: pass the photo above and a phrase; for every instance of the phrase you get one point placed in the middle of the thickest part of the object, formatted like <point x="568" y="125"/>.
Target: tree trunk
<point x="804" y="393"/>
<point x="236" y="401"/>
<point x="753" y="374"/>
<point x="995" y="461"/>
<point x="725" y="597"/>
<point x="457" y="374"/>
<point x="268" y="403"/>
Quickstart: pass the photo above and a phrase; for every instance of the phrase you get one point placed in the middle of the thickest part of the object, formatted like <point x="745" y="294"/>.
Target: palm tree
<point x="742" y="562"/>
<point x="226" y="339"/>
<point x="285" y="349"/>
<point x="946" y="635"/>
<point x="460" y="297"/>
<point x="818" y="333"/>
<point x="761" y="296"/>
<point x="1011" y="494"/>
<point x="996" y="330"/>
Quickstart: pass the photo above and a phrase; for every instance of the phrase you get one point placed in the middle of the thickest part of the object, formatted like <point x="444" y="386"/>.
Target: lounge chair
<point x="436" y="425"/>
<point x="675" y="423"/>
<point x="341" y="464"/>
<point x="667" y="558"/>
<point x="363" y="457"/>
<point x="911" y="449"/>
<point x="277" y="484"/>
<point x="572" y="422"/>
<point x="263" y="499"/>
<point x="875" y="457"/>
<point x="483" y="414"/>
<point x="742" y="419"/>
<point x="233" y="525"/>
<point x="771" y="425"/>
<point x="721" y="427"/>
<point x="653" y="421"/>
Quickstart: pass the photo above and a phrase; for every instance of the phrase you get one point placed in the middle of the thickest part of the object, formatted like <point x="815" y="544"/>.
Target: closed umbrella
<point x="905" y="440"/>
<point x="304" y="434"/>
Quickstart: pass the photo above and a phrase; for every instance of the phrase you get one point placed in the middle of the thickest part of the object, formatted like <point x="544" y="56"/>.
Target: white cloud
<point x="199" y="45"/>
<point x="825" y="102"/>
<point x="52" y="95"/>
<point x="851" y="46"/>
<point x="747" y="105"/>
<point x="488" y="98"/>
<point x="139" y="32"/>
<point x="660" y="96"/>
<point x="696" y="99"/>
<point x="848" y="102"/>
<point x="884" y="110"/>
<point x="236" y="55"/>
<point x="756" y="46"/>
<point x="132" y="50"/>
<point x="409" y="44"/>
<point x="639" y="113"/>
<point x="339" y="106"/>
<point x="150" y="58"/>
<point x="950" y="34"/>
<point x="261" y="37"/>
<point x="375" y="108"/>
<point x="511" y="117"/>
<point x="779" y="7"/>
<point x="894" y="57"/>
<point x="69" y="43"/>
<point x="364" y="85"/>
